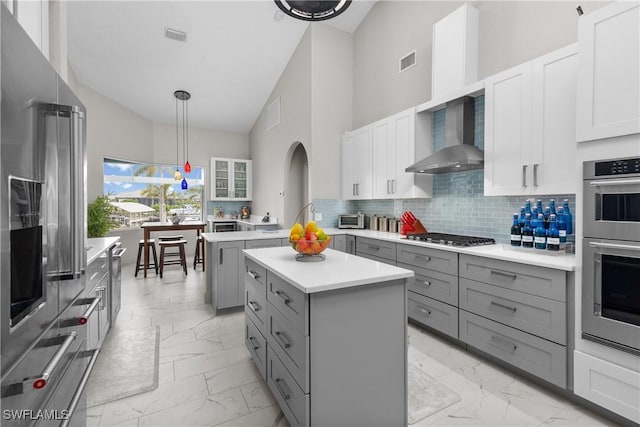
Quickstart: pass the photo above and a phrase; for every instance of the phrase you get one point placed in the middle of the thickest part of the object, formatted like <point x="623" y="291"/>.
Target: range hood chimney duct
<point x="459" y="153"/>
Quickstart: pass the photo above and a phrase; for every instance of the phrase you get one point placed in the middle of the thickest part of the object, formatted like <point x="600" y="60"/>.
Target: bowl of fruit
<point x="309" y="241"/>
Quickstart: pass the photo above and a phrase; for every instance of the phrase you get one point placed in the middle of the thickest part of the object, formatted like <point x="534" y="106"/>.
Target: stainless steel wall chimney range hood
<point x="459" y="153"/>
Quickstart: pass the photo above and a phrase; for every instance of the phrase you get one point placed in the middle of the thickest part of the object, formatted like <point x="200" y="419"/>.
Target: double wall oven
<point x="611" y="253"/>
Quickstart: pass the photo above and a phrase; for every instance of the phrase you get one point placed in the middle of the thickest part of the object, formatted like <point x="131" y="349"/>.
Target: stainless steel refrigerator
<point x="44" y="361"/>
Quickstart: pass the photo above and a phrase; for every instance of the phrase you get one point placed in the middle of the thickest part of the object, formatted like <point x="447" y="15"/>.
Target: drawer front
<point x="377" y="248"/>
<point x="257" y="346"/>
<point x="292" y="400"/>
<point x="433" y="259"/>
<point x="434" y="314"/>
<point x="290" y="344"/>
<point x="543" y="282"/>
<point x="543" y="317"/>
<point x="537" y="356"/>
<point x="256" y="272"/>
<point x="255" y="305"/>
<point x="262" y="243"/>
<point x="96" y="270"/>
<point x="440" y="286"/>
<point x="376" y="258"/>
<point x="291" y="302"/>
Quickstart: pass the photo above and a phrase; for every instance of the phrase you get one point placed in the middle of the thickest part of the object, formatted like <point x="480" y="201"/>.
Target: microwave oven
<point x="351" y="220"/>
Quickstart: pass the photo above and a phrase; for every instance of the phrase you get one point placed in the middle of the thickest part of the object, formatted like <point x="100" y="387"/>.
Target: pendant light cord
<point x="177" y="137"/>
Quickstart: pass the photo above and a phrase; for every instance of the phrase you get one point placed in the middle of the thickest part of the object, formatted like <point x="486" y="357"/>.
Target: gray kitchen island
<point x="329" y="337"/>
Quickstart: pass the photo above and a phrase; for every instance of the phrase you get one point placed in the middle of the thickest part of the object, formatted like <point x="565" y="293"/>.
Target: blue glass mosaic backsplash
<point x="458" y="205"/>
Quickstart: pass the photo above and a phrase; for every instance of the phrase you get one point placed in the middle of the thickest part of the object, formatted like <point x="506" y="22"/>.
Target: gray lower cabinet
<point x="321" y="353"/>
<point x="263" y="243"/>
<point x="227" y="271"/>
<point x="98" y="283"/>
<point x="537" y="356"/>
<point x="339" y="243"/>
<point x="376" y="248"/>
<point x="351" y="245"/>
<point x="432" y="313"/>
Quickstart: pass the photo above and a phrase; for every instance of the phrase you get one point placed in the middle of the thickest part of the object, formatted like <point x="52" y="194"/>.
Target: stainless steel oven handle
<point x="80" y="390"/>
<point x="612" y="182"/>
<point x="597" y="284"/>
<point x="614" y="246"/>
<point x="40" y="381"/>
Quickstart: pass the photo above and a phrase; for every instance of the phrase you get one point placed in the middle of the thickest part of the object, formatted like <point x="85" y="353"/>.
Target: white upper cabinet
<point x="455" y="51"/>
<point x="529" y="133"/>
<point x="357" y="182"/>
<point x="33" y="16"/>
<point x="230" y="179"/>
<point x="389" y="146"/>
<point x="609" y="72"/>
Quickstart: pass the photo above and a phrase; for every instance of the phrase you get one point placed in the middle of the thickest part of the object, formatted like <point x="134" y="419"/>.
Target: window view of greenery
<point x="142" y="192"/>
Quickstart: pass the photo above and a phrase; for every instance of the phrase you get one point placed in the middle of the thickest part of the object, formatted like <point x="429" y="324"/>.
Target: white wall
<point x="511" y="32"/>
<point x="269" y="148"/>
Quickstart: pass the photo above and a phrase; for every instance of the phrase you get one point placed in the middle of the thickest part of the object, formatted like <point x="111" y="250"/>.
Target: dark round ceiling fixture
<point x="309" y="10"/>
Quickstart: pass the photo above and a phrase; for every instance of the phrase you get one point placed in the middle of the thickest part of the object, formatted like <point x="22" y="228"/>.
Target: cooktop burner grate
<point x="451" y="239"/>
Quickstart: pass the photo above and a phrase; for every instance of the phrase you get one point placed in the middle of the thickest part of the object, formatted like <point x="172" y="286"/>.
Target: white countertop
<point x="338" y="270"/>
<point x="97" y="245"/>
<point x="558" y="261"/>
<point x="252" y="220"/>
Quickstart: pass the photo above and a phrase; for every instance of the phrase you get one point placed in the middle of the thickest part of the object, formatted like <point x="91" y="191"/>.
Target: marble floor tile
<point x="165" y="396"/>
<point x="210" y="362"/>
<point x="188" y="350"/>
<point x="232" y="376"/>
<point x="232" y="339"/>
<point x="267" y="417"/>
<point x="93" y="420"/>
<point x="220" y="325"/>
<point x="206" y="411"/>
<point x="166" y="373"/>
<point x="445" y="352"/>
<point x="257" y="395"/>
<point x="576" y="416"/>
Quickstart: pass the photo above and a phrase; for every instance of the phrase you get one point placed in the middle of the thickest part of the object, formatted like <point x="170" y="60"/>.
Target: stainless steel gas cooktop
<point x="451" y="239"/>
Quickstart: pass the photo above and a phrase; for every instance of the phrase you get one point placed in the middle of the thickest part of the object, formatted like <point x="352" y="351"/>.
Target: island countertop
<point x="339" y="270"/>
<point x="97" y="245"/>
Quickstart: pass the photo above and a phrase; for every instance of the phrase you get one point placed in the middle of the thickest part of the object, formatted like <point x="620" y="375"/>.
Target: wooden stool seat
<point x="180" y="257"/>
<point x="151" y="244"/>
<point x="170" y="238"/>
<point x="198" y="258"/>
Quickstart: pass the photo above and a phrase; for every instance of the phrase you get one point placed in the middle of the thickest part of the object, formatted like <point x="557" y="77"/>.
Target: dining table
<point x="149" y="227"/>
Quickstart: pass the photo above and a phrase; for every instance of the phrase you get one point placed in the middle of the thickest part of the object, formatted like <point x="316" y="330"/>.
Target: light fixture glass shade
<point x="177" y="175"/>
<point x="187" y="167"/>
<point x="184" y="184"/>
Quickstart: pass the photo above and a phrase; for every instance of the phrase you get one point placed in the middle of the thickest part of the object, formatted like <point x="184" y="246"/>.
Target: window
<point x="141" y="192"/>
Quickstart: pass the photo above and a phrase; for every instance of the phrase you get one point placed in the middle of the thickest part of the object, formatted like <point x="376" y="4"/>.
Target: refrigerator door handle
<point x="77" y="172"/>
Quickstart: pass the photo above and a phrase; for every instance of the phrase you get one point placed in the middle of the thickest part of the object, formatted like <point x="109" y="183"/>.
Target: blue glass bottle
<point x="527" y="208"/>
<point x="552" y="206"/>
<point x="527" y="232"/>
<point x="562" y="225"/>
<point x="553" y="235"/>
<point x="516" y="238"/>
<point x="540" y="234"/>
<point x="539" y="209"/>
<point x="547" y="212"/>
<point x="568" y="217"/>
<point x="521" y="218"/>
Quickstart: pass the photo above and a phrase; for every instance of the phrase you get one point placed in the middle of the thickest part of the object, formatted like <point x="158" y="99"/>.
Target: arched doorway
<point x="296" y="183"/>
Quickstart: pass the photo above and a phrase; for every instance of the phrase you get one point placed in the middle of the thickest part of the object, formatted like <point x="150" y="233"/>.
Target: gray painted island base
<point x="331" y="358"/>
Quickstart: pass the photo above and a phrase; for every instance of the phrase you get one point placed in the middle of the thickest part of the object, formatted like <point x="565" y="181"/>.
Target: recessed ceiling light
<point x="178" y="35"/>
<point x="310" y="10"/>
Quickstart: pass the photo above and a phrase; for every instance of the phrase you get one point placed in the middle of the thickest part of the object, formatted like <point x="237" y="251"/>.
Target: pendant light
<point x="183" y="96"/>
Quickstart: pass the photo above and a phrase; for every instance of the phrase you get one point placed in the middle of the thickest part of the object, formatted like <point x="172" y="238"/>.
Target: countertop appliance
<point x="42" y="229"/>
<point x="222" y="226"/>
<point x="611" y="253"/>
<point x="451" y="239"/>
<point x="351" y="221"/>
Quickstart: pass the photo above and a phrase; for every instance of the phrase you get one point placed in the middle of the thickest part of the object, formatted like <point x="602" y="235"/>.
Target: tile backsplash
<point x="458" y="205"/>
<point x="227" y="206"/>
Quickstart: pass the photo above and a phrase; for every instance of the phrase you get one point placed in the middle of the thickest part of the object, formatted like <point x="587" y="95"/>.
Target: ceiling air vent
<point x="408" y="61"/>
<point x="273" y="114"/>
<point x="178" y="35"/>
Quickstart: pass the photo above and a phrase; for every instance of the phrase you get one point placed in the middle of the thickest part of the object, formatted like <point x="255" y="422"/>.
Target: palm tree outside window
<point x="142" y="192"/>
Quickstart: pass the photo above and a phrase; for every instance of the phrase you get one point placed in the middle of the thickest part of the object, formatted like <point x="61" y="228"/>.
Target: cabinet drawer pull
<point x="41" y="380"/>
<point x="283" y="296"/>
<point x="283" y="389"/>
<point x="253" y="274"/>
<point x="374" y="248"/>
<point x="506" y="307"/>
<point x="253" y="306"/>
<point x="255" y="346"/>
<point x="82" y="320"/>
<point x="283" y="339"/>
<point x="424" y="311"/>
<point x="498" y="340"/>
<point x="511" y="276"/>
<point x="424" y="257"/>
<point x="220" y="256"/>
<point x="422" y="282"/>
<point x="93" y="276"/>
<point x="535" y="174"/>
<point x="524" y="176"/>
<point x="100" y="291"/>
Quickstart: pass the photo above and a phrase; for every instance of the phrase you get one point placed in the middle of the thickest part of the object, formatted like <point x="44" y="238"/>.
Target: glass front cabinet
<point x="230" y="179"/>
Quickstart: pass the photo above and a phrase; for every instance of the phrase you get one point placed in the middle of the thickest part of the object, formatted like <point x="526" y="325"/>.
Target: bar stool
<point x="198" y="258"/>
<point x="151" y="244"/>
<point x="181" y="257"/>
